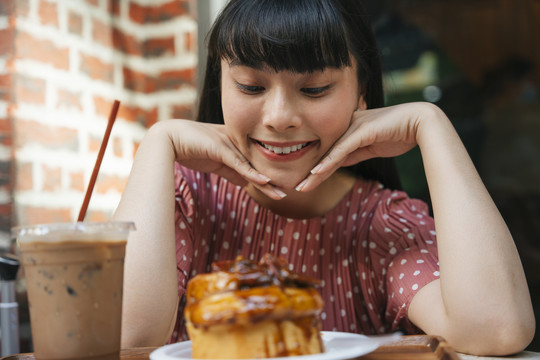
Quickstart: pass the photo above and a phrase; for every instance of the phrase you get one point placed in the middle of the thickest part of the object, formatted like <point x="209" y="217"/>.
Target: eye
<point x="250" y="89"/>
<point x="318" y="91"/>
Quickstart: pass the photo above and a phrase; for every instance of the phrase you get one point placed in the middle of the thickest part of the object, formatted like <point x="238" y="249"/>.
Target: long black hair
<point x="299" y="36"/>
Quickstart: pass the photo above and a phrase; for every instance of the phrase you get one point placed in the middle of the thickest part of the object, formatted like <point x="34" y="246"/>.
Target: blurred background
<point x="64" y="62"/>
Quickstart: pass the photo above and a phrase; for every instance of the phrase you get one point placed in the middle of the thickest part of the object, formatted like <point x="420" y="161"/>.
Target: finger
<point x="319" y="174"/>
<point x="244" y="167"/>
<point x="236" y="161"/>
<point x="332" y="160"/>
<point x="271" y="191"/>
<point x="314" y="180"/>
<point x="235" y="178"/>
<point x="352" y="142"/>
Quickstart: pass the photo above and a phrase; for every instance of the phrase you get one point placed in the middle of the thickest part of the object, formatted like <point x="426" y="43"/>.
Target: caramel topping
<point x="243" y="292"/>
<point x="269" y="271"/>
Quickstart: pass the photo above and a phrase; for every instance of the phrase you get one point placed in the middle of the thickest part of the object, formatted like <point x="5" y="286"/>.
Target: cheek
<point x="333" y="123"/>
<point x="238" y="119"/>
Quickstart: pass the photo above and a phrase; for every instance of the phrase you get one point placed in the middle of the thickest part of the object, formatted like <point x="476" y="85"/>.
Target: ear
<point x="361" y="103"/>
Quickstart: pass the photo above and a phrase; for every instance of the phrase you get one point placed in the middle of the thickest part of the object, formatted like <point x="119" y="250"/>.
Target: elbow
<point x="513" y="337"/>
<point x="501" y="337"/>
<point x="144" y="336"/>
<point x="148" y="328"/>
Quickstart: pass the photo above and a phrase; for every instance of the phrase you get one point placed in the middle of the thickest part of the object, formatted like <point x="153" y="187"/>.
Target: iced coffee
<point x="74" y="278"/>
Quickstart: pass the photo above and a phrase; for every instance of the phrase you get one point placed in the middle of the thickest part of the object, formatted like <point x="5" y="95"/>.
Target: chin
<point x="287" y="182"/>
<point x="287" y="176"/>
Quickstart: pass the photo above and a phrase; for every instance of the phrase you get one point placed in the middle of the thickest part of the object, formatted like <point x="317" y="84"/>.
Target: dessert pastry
<point x="247" y="310"/>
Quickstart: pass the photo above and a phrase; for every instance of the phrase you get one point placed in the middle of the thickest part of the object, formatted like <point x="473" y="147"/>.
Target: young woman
<point x="292" y="155"/>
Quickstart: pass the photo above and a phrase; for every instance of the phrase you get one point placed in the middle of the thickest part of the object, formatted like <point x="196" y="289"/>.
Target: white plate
<point x="338" y="345"/>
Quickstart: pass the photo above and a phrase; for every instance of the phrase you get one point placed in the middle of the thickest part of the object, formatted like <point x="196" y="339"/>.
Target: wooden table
<point x="416" y="347"/>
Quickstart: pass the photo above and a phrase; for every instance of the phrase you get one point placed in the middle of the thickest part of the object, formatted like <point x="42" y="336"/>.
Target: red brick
<point x="158" y="47"/>
<point x="183" y="112"/>
<point x="45" y="51"/>
<point x="75" y="23"/>
<point x="5" y="87"/>
<point x="102" y="33"/>
<point x="94" y="143"/>
<point x="113" y="7"/>
<point x="117" y="147"/>
<point x="6" y="170"/>
<point x="170" y="80"/>
<point x="106" y="183"/>
<point x="44" y="215"/>
<point x="5" y="209"/>
<point x="25" y="176"/>
<point x="76" y="181"/>
<point x="151" y="118"/>
<point x="138" y="115"/>
<point x="51" y="137"/>
<point x="125" y="112"/>
<point x="6" y="41"/>
<point x="21" y="10"/>
<point x="68" y="99"/>
<point x="139" y="82"/>
<point x="30" y="90"/>
<point x="136" y="145"/>
<point x="6" y="131"/>
<point x="190" y="40"/>
<point x="97" y="216"/>
<point x="103" y="106"/>
<point x="167" y="80"/>
<point x="97" y="69"/>
<point x="7" y="7"/>
<point x="52" y="178"/>
<point x="155" y="14"/>
<point x="125" y="43"/>
<point x="6" y="214"/>
<point x="48" y="13"/>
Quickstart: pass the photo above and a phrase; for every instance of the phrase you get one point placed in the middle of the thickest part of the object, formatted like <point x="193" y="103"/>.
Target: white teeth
<point x="284" y="150"/>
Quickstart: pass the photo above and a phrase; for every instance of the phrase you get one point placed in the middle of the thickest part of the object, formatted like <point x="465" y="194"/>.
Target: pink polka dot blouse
<point x="372" y="252"/>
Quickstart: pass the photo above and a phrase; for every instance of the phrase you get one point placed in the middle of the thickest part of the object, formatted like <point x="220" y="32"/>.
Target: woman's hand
<point x="207" y="148"/>
<point x="383" y="132"/>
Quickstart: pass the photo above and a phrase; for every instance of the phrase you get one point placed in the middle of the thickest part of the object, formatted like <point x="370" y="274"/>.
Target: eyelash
<point x="313" y="92"/>
<point x="316" y="91"/>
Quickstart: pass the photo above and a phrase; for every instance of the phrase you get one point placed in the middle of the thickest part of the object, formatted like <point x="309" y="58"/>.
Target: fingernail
<point x="280" y="193"/>
<point x="301" y="185"/>
<point x="264" y="178"/>
<point x="316" y="169"/>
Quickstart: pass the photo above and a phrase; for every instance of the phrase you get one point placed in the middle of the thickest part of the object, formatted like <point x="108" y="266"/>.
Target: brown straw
<point x="112" y="118"/>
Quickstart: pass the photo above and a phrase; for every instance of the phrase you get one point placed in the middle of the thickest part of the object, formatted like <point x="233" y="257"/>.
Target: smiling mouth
<point x="284" y="150"/>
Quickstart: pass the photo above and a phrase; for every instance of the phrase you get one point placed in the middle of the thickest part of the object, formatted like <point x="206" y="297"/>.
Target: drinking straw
<point x="112" y="118"/>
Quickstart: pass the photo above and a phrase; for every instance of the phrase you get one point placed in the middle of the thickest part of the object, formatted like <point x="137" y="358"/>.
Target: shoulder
<point x="384" y="202"/>
<point x="396" y="206"/>
<point x="395" y="216"/>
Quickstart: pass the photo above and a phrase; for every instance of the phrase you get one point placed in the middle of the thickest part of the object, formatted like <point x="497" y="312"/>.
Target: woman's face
<point x="285" y="122"/>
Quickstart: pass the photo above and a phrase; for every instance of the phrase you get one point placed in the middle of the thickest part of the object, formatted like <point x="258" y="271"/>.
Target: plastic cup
<point x="74" y="277"/>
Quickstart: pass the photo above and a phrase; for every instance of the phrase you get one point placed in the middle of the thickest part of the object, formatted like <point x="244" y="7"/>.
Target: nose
<point x="281" y="111"/>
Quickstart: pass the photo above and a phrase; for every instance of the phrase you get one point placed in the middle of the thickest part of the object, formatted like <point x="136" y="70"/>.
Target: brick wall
<point x="62" y="64"/>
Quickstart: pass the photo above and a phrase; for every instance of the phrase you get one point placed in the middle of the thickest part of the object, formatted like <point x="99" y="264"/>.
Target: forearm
<point x="150" y="283"/>
<point x="483" y="287"/>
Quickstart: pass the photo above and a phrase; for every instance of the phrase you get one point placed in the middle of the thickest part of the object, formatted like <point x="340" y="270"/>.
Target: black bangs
<point x="292" y="35"/>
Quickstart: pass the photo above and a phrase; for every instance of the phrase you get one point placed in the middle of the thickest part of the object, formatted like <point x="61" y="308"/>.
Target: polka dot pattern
<point x="370" y="252"/>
